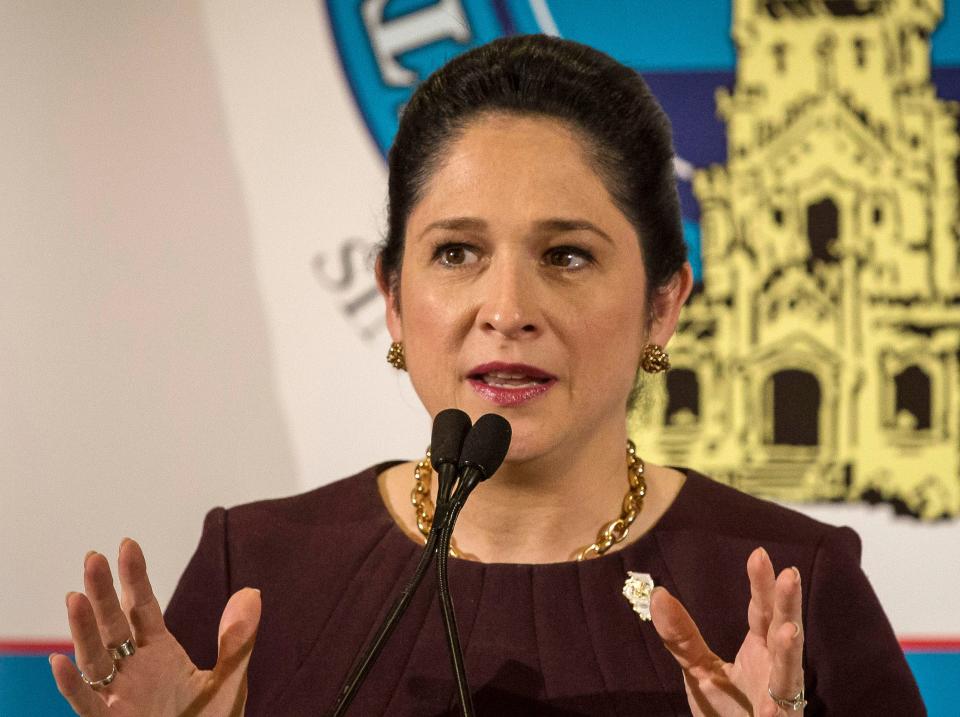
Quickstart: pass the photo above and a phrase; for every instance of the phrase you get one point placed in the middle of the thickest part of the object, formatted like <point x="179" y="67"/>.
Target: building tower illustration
<point x="821" y="360"/>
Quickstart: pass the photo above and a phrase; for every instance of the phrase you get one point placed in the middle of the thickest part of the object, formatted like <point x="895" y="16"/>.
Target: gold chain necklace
<point x="609" y="534"/>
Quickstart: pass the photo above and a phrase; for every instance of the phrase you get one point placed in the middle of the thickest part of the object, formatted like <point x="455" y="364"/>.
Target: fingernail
<point x="66" y="599"/>
<point x="796" y="573"/>
<point x="86" y="557"/>
<point x="50" y="659"/>
<point x="763" y="554"/>
<point x="796" y="629"/>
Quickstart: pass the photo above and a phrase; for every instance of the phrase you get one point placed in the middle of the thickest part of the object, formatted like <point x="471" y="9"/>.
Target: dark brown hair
<point x="626" y="132"/>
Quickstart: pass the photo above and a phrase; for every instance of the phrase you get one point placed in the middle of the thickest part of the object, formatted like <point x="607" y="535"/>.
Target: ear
<point x="391" y="300"/>
<point x="667" y="302"/>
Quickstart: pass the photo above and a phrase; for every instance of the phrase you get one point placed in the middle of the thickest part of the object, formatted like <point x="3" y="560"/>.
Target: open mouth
<point x="505" y="379"/>
<point x="510" y="384"/>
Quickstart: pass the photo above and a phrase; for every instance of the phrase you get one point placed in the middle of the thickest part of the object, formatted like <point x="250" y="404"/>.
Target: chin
<point x="531" y="437"/>
<point x="526" y="443"/>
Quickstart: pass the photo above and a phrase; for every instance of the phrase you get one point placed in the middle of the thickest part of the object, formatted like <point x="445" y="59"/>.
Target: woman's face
<point x="522" y="287"/>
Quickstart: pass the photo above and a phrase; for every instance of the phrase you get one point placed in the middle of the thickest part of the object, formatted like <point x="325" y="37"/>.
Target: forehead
<point x="517" y="167"/>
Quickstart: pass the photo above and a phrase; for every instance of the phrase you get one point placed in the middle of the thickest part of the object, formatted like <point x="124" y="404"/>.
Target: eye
<point x="568" y="257"/>
<point x="455" y="255"/>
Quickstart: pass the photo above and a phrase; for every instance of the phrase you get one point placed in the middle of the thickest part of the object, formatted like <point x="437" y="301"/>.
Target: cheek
<point x="434" y="323"/>
<point x="610" y="336"/>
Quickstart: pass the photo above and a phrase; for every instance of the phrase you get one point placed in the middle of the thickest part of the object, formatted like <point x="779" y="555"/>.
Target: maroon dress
<point x="555" y="639"/>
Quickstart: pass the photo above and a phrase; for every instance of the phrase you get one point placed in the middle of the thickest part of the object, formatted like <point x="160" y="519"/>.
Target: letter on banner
<point x="420" y="27"/>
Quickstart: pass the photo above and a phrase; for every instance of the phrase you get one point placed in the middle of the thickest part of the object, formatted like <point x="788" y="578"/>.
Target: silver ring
<point x="796" y="703"/>
<point x="97" y="684"/>
<point x="124" y="649"/>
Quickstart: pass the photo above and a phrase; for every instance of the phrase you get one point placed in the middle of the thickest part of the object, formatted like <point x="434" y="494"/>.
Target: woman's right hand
<point x="158" y="679"/>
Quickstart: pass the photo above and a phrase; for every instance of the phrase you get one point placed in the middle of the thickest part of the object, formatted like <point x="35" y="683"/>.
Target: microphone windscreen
<point x="450" y="427"/>
<point x="487" y="443"/>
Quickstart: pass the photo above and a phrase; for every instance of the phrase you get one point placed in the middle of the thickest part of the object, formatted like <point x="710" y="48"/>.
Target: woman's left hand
<point x="770" y="658"/>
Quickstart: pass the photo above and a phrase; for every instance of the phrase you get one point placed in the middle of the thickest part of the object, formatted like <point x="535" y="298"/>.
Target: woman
<point x="534" y="260"/>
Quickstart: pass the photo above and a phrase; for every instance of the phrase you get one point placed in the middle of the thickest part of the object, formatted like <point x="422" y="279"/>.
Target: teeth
<point x="508" y="383"/>
<point x="510" y="380"/>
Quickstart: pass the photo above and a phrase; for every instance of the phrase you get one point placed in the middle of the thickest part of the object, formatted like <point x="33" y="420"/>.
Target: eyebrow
<point x="554" y="225"/>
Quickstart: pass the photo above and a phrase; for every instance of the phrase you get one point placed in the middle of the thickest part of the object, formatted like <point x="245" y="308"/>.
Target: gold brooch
<point x="637" y="590"/>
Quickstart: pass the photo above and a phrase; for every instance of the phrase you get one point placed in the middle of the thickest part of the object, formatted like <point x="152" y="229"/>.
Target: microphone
<point x="450" y="427"/>
<point x="484" y="449"/>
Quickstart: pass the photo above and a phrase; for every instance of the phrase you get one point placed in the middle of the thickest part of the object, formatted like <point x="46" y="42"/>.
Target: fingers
<point x="787" y="598"/>
<point x="92" y="657"/>
<point x="84" y="701"/>
<point x="238" y="630"/>
<point x="786" y="636"/>
<point x="762" y="581"/>
<point x="97" y="619"/>
<point x="137" y="598"/>
<point x="679" y="633"/>
<point x="98" y="584"/>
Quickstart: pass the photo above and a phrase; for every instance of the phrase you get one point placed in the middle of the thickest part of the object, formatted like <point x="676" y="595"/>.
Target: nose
<point x="509" y="306"/>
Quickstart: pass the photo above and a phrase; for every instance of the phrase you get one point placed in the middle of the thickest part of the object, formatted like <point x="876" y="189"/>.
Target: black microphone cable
<point x="450" y="427"/>
<point x="483" y="451"/>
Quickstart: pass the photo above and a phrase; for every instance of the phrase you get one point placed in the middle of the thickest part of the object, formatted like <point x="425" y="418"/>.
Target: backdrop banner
<point x="192" y="195"/>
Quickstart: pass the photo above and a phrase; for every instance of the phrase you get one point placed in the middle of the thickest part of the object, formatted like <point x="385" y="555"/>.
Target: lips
<point x="510" y="384"/>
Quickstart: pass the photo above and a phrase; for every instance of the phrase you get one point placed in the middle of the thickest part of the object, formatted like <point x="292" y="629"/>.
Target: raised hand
<point x="769" y="662"/>
<point x="158" y="678"/>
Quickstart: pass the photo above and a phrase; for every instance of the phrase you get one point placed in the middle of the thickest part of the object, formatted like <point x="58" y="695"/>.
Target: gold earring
<point x="654" y="359"/>
<point x="395" y="356"/>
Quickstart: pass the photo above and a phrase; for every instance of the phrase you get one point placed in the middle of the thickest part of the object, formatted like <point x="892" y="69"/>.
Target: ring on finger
<point x="97" y="684"/>
<point x="124" y="649"/>
<point x="795" y="703"/>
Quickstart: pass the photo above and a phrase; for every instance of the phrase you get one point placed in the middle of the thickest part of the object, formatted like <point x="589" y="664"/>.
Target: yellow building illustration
<point x="821" y="360"/>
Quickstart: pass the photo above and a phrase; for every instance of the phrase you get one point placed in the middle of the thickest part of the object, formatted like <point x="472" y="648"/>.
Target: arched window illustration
<point x="780" y="57"/>
<point x="793" y="408"/>
<point x="860" y="51"/>
<point x="912" y="407"/>
<point x="683" y="398"/>
<point x="823" y="228"/>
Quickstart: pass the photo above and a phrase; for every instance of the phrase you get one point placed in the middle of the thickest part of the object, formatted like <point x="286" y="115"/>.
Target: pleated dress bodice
<point x="546" y="639"/>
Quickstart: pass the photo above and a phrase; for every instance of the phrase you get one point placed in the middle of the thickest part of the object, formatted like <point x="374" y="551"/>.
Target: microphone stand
<point x="483" y="451"/>
<point x="484" y="447"/>
<point x="446" y="602"/>
<point x="376" y="645"/>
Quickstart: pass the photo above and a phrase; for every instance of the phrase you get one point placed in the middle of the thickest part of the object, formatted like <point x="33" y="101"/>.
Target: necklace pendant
<point x="637" y="589"/>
